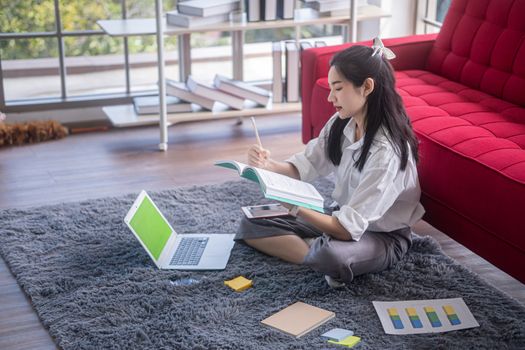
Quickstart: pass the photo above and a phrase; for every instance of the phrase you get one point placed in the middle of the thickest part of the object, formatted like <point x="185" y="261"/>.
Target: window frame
<point x="64" y="101"/>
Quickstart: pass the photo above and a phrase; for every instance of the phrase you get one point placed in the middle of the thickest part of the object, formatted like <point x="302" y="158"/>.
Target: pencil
<point x="256" y="133"/>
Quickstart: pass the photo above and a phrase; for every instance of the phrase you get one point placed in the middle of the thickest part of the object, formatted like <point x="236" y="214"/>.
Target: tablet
<point x="265" y="211"/>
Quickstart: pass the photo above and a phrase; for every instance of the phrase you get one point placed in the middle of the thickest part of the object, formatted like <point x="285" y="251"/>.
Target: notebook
<point x="298" y="319"/>
<point x="170" y="250"/>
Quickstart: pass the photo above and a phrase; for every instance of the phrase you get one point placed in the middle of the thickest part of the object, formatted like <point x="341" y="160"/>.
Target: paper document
<point x="424" y="316"/>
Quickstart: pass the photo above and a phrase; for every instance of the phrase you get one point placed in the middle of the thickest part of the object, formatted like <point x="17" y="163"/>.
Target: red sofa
<point x="464" y="90"/>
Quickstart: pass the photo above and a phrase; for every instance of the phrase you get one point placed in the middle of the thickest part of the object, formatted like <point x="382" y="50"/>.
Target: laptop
<point x="170" y="250"/>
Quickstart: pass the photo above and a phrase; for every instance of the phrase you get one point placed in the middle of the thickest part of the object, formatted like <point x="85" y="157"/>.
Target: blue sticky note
<point x="337" y="334"/>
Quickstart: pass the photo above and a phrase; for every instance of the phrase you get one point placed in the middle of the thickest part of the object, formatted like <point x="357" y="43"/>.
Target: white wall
<point x="401" y="23"/>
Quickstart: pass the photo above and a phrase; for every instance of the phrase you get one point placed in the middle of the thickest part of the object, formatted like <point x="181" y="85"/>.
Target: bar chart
<point x="424" y="316"/>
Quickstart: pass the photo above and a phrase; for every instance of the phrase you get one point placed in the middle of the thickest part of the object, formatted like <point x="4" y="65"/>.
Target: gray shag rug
<point x="94" y="287"/>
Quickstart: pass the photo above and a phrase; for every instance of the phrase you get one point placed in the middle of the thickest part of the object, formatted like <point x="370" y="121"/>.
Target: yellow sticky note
<point x="348" y="341"/>
<point x="239" y="283"/>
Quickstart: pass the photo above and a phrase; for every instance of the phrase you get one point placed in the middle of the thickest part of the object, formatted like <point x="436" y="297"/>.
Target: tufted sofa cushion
<point x="481" y="45"/>
<point x="480" y="137"/>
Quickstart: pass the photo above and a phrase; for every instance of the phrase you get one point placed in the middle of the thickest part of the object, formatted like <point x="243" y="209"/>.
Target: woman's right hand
<point x="258" y="157"/>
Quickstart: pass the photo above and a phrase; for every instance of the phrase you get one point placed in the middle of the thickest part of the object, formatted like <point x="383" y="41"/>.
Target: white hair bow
<point x="380" y="49"/>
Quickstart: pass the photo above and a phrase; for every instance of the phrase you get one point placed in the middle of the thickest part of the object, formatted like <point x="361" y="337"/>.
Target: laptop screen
<point x="151" y="227"/>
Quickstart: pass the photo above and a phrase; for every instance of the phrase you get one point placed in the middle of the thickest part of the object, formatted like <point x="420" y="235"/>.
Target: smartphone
<point x="265" y="211"/>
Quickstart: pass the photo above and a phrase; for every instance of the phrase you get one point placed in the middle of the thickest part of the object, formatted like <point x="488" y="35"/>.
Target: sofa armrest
<point x="411" y="52"/>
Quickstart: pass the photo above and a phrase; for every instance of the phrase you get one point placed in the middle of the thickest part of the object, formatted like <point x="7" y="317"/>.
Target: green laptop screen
<point x="151" y="227"/>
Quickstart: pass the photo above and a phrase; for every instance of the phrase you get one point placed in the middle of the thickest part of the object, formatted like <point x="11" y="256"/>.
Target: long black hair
<point x="384" y="107"/>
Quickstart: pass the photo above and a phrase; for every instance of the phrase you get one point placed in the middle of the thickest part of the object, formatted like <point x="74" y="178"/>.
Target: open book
<point x="279" y="187"/>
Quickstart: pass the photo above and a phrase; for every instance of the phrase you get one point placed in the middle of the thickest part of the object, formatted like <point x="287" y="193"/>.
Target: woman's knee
<point x="329" y="261"/>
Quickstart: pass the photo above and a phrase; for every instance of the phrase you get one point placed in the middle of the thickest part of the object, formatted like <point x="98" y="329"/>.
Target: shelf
<point x="130" y="27"/>
<point x="124" y="115"/>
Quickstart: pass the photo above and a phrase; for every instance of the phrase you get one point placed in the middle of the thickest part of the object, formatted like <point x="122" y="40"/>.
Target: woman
<point x="370" y="148"/>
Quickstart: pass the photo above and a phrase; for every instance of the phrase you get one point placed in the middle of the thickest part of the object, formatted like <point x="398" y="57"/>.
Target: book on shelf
<point x="330" y="5"/>
<point x="292" y="71"/>
<point x="279" y="187"/>
<point x="242" y="89"/>
<point x="305" y="13"/>
<point x="212" y="93"/>
<point x="253" y="10"/>
<point x="180" y="90"/>
<point x="205" y="8"/>
<point x="151" y="105"/>
<point x="305" y="45"/>
<point x="285" y="9"/>
<point x="298" y="319"/>
<point x="181" y="20"/>
<point x="269" y="10"/>
<point x="277" y="82"/>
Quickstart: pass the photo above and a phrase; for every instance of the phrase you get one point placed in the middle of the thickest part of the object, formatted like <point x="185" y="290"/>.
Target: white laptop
<point x="170" y="250"/>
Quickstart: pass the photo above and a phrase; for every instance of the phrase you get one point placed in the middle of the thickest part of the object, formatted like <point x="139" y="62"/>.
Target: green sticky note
<point x="348" y="341"/>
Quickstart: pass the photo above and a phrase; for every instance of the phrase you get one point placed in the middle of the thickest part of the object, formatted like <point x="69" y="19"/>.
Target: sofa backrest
<point x="482" y="45"/>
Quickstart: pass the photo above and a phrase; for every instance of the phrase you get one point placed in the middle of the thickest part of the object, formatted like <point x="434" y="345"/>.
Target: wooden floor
<point x="122" y="161"/>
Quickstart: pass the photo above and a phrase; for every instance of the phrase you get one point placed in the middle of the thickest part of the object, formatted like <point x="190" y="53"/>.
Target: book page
<point x="287" y="185"/>
<point x="232" y="164"/>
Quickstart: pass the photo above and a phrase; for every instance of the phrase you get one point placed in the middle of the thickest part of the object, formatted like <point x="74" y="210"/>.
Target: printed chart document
<point x="424" y="316"/>
<point x="298" y="319"/>
<point x="279" y="187"/>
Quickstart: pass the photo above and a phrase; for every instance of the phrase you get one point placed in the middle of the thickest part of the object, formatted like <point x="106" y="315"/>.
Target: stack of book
<point x="332" y="6"/>
<point x="180" y="90"/>
<point x="242" y="90"/>
<point x="211" y="92"/>
<point x="150" y="105"/>
<point x="269" y="10"/>
<point x="194" y="13"/>
<point x="193" y="95"/>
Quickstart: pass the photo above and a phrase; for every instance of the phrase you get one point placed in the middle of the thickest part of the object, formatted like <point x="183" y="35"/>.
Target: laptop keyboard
<point x="189" y="251"/>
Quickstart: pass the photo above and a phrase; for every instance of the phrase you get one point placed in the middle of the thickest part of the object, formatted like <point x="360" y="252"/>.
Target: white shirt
<point x="379" y="198"/>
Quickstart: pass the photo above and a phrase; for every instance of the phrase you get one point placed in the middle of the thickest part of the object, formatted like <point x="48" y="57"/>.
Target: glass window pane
<point x="94" y="65"/>
<point x="27" y="16"/>
<point x="441" y="9"/>
<point x="143" y="61"/>
<point x="30" y="68"/>
<point x="211" y="54"/>
<point x="84" y="14"/>
<point x="146" y="8"/>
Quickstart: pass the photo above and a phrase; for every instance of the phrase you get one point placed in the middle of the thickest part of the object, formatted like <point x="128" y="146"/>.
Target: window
<point x="431" y="15"/>
<point x="53" y="53"/>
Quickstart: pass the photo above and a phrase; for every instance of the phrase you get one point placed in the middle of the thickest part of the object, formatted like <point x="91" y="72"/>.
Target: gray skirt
<point x="343" y="260"/>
